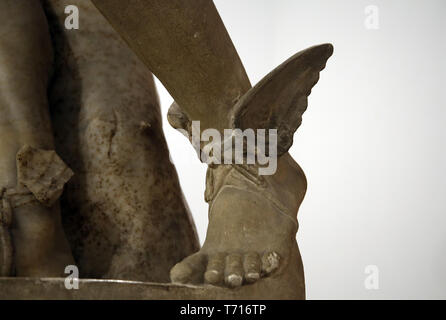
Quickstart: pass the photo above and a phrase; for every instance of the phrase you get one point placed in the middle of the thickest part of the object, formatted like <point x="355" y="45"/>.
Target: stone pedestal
<point x="93" y="289"/>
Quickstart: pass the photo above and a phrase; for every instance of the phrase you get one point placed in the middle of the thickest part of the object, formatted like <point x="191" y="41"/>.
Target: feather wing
<point x="279" y="100"/>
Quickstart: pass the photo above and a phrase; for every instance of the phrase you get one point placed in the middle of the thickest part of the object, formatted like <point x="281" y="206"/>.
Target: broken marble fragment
<point x="43" y="173"/>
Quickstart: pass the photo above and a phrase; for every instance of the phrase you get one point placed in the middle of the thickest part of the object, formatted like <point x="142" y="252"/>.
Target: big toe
<point x="190" y="270"/>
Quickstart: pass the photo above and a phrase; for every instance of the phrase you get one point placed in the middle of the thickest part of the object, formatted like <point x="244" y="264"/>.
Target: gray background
<point x="372" y="142"/>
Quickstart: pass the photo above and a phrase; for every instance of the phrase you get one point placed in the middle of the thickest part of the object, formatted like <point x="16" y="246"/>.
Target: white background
<point x="372" y="142"/>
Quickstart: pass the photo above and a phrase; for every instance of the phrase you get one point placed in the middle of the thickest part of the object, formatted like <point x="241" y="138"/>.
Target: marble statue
<point x="85" y="174"/>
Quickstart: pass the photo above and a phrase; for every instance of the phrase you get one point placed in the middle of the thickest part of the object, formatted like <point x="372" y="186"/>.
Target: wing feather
<point x="279" y="100"/>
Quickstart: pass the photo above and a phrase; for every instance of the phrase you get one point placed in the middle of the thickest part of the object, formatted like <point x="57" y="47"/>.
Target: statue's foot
<point x="248" y="238"/>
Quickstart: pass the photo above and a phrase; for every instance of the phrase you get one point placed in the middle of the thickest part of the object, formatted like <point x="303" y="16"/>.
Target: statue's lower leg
<point x="32" y="239"/>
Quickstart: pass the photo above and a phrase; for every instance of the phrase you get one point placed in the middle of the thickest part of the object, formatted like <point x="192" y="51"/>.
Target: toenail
<point x="212" y="276"/>
<point x="235" y="280"/>
<point x="252" y="276"/>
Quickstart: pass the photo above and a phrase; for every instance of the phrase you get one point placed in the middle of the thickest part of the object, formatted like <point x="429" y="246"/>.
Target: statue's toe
<point x="190" y="270"/>
<point x="252" y="267"/>
<point x="215" y="269"/>
<point x="234" y="270"/>
<point x="270" y="262"/>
